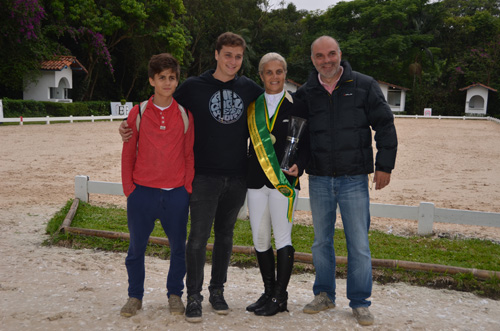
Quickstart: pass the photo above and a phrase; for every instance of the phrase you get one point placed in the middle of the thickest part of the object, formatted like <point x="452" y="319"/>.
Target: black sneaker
<point x="218" y="303"/>
<point x="193" y="309"/>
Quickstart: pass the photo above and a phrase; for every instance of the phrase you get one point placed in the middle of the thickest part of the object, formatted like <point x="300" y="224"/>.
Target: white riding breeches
<point x="268" y="207"/>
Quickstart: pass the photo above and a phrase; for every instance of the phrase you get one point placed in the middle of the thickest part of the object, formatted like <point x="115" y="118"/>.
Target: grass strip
<point x="465" y="253"/>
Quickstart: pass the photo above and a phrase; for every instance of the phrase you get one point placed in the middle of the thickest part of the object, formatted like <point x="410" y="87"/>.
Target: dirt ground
<point x="453" y="163"/>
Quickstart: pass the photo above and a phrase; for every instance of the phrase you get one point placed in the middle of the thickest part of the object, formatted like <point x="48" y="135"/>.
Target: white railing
<point x="71" y="119"/>
<point x="426" y="213"/>
<point x="496" y="120"/>
<point x="439" y="117"/>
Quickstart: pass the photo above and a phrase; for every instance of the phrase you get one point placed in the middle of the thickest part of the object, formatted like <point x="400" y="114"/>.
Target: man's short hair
<point x="230" y="39"/>
<point x="162" y="62"/>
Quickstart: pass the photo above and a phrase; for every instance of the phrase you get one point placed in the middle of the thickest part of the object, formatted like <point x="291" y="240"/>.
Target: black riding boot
<point x="266" y="266"/>
<point x="278" y="302"/>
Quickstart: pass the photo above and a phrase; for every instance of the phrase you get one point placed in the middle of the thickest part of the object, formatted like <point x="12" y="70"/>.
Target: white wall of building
<point x="58" y="80"/>
<point x="395" y="98"/>
<point x="476" y="101"/>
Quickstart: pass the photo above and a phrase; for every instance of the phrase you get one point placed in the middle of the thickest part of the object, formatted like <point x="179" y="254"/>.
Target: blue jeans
<point x="351" y="195"/>
<point x="144" y="206"/>
<point x="216" y="200"/>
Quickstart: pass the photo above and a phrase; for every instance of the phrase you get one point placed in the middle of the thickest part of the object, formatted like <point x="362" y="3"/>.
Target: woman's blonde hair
<point x="271" y="57"/>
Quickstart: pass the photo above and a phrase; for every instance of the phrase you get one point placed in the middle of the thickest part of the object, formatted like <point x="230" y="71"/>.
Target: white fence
<point x="426" y="213"/>
<point x="71" y="119"/>
<point x="439" y="117"/>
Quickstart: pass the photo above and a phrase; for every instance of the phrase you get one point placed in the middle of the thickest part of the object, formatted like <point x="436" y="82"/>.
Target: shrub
<point x="30" y="108"/>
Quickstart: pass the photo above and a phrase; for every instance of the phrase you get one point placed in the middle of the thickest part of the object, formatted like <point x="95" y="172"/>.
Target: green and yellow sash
<point x="260" y="127"/>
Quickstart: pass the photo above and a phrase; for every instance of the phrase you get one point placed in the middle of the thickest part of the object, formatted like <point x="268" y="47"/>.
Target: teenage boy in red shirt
<point x="157" y="175"/>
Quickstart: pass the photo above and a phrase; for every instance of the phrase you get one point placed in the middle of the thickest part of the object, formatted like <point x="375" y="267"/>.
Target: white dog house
<point x="55" y="81"/>
<point x="395" y="96"/>
<point x="476" y="101"/>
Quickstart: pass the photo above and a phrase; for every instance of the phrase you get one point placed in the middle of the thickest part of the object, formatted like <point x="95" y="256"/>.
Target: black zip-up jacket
<point x="220" y="121"/>
<point x="256" y="176"/>
<point x="340" y="126"/>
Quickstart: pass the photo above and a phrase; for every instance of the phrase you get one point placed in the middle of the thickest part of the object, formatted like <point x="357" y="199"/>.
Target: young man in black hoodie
<point x="218" y="100"/>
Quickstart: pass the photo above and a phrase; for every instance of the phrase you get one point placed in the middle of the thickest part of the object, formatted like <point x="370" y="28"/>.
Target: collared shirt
<point x="162" y="157"/>
<point x="330" y="88"/>
<point x="272" y="102"/>
<point x="163" y="118"/>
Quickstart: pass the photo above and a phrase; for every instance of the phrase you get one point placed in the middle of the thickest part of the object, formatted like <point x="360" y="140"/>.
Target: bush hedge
<point x="30" y="108"/>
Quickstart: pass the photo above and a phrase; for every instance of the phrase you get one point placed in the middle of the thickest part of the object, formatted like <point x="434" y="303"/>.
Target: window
<point x="53" y="92"/>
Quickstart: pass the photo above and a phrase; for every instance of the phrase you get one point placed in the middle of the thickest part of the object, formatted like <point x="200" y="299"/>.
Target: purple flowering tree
<point x="482" y="62"/>
<point x="98" y="29"/>
<point x="99" y="33"/>
<point x="22" y="44"/>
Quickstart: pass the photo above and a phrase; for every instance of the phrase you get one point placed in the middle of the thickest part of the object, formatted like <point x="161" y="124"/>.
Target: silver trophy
<point x="296" y="127"/>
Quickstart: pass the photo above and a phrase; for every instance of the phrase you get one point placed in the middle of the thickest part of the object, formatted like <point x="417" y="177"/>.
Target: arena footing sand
<point x="451" y="163"/>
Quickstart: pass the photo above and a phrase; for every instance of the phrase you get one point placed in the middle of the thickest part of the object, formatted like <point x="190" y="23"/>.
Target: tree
<point x="281" y="31"/>
<point x="434" y="48"/>
<point x="20" y="41"/>
<point x="469" y="37"/>
<point x="207" y="19"/>
<point x="93" y="30"/>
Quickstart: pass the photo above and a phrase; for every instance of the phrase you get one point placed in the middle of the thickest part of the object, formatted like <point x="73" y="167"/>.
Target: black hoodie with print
<point x="221" y="131"/>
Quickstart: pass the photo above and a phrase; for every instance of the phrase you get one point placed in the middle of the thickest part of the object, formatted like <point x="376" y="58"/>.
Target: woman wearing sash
<point x="272" y="192"/>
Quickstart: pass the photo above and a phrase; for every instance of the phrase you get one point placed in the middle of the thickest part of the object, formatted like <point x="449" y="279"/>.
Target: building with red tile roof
<point x="395" y="95"/>
<point x="55" y="80"/>
<point x="63" y="62"/>
<point x="476" y="100"/>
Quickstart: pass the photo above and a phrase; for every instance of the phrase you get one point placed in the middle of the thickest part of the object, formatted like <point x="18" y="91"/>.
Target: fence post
<point x="48" y="120"/>
<point x="71" y="118"/>
<point x="425" y="218"/>
<point x="82" y="188"/>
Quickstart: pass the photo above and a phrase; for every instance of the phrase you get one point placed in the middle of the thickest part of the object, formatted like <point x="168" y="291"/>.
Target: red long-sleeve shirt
<point x="164" y="157"/>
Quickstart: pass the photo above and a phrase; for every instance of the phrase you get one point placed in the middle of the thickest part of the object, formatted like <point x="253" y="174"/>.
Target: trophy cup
<point x="296" y="127"/>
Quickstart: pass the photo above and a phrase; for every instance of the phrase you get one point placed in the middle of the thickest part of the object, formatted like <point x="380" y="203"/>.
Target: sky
<point x="309" y="4"/>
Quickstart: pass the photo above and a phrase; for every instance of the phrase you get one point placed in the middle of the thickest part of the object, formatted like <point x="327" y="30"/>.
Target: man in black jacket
<point x="344" y="106"/>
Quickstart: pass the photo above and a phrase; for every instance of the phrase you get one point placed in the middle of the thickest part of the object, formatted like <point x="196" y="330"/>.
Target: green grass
<point x="465" y="253"/>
